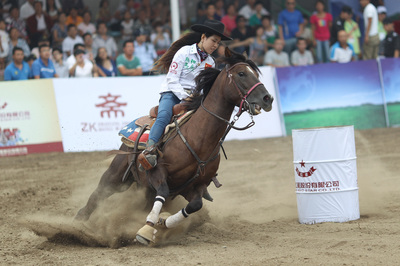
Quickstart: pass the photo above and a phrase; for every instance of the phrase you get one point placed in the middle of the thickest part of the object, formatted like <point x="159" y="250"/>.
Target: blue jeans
<point x="167" y="102"/>
<point x="290" y="45"/>
<point x="323" y="51"/>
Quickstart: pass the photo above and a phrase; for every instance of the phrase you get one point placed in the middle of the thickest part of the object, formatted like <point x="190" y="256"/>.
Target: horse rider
<point x="184" y="60"/>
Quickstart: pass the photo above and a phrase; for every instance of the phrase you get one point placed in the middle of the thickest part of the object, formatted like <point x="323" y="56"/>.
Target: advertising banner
<point x="391" y="83"/>
<point x="332" y="95"/>
<point x="28" y="118"/>
<point x="93" y="110"/>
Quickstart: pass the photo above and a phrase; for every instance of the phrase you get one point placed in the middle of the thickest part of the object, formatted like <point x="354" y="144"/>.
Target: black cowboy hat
<point x="212" y="26"/>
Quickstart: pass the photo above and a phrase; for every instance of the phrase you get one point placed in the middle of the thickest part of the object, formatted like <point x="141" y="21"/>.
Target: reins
<point x="200" y="163"/>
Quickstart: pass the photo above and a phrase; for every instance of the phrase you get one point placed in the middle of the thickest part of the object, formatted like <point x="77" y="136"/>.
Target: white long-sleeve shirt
<point x="185" y="66"/>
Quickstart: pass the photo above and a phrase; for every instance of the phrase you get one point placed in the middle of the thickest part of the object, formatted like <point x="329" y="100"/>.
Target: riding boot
<point x="148" y="158"/>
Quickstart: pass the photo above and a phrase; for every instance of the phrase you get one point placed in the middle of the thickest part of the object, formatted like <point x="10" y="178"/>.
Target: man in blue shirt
<point x="145" y="51"/>
<point x="18" y="69"/>
<point x="43" y="66"/>
<point x="291" y="26"/>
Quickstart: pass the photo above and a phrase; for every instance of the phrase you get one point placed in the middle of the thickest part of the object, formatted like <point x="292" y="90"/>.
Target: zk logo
<point x="111" y="105"/>
<point x="308" y="173"/>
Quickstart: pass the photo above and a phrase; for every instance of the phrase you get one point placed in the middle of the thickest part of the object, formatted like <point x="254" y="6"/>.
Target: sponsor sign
<point x="28" y="118"/>
<point x="93" y="110"/>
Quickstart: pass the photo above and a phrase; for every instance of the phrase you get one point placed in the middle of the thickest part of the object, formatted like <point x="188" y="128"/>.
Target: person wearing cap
<point x="43" y="67"/>
<point x="392" y="40"/>
<point x="371" y="38"/>
<point x="82" y="68"/>
<point x="381" y="29"/>
<point x="184" y="60"/>
<point x="145" y="51"/>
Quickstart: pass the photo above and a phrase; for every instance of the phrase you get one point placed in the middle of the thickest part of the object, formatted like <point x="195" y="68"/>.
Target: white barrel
<point x="325" y="171"/>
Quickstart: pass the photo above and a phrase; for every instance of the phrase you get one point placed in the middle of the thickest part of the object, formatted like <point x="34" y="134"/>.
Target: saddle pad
<point x="130" y="133"/>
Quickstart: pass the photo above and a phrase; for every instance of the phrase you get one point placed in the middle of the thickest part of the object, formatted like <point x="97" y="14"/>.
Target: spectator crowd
<point x="62" y="38"/>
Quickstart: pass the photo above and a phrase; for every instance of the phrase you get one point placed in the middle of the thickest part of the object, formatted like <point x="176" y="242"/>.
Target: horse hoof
<point x="146" y="234"/>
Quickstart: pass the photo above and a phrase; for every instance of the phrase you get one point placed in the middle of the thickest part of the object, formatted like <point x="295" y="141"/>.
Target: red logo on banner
<point x="111" y="105"/>
<point x="309" y="173"/>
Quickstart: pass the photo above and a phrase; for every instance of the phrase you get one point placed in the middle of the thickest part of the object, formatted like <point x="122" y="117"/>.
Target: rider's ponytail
<point x="162" y="64"/>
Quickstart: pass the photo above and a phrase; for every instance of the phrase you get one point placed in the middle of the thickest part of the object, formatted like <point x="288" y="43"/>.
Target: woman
<point x="321" y="22"/>
<point x="82" y="68"/>
<point x="229" y="20"/>
<point x="106" y="66"/>
<point x="270" y="31"/>
<point x="185" y="59"/>
<point x="351" y="27"/>
<point x="104" y="13"/>
<point x="52" y="10"/>
<point x="160" y="38"/>
<point x="59" y="30"/>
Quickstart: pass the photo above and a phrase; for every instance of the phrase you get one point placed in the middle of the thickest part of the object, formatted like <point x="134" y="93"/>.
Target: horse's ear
<point x="228" y="52"/>
<point x="245" y="55"/>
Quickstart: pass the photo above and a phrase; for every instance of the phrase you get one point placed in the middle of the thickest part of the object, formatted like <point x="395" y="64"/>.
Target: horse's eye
<point x="241" y="74"/>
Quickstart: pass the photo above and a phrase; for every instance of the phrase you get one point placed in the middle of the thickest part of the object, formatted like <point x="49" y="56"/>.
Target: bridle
<point x="244" y="97"/>
<point x="244" y="104"/>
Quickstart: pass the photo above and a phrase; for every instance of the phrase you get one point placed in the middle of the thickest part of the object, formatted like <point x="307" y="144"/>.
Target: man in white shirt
<point x="371" y="39"/>
<point x="277" y="57"/>
<point x="103" y="40"/>
<point x="86" y="26"/>
<point x="71" y="40"/>
<point x="301" y="56"/>
<point x="342" y="51"/>
<point x="249" y="9"/>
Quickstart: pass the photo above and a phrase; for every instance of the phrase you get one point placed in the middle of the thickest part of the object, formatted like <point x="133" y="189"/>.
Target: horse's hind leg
<point x="110" y="183"/>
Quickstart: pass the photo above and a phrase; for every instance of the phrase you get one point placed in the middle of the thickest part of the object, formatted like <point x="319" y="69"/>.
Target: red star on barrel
<point x="303" y="164"/>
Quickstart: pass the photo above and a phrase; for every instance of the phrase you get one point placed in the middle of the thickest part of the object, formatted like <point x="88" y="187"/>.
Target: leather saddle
<point x="178" y="109"/>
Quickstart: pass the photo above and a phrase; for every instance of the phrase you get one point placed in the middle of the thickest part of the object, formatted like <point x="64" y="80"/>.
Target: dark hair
<point x="239" y="18"/>
<point x="126" y="42"/>
<point x="256" y="27"/>
<point x="16" y="48"/>
<point x="321" y="2"/>
<point x="162" y="64"/>
<point x="87" y="11"/>
<point x="70" y="26"/>
<point x="86" y="34"/>
<point x="259" y="3"/>
<point x="266" y="17"/>
<point x="99" y="23"/>
<point x="102" y="2"/>
<point x="98" y="60"/>
<point x="211" y="3"/>
<point x="347" y="9"/>
<point x="9" y="31"/>
<point x="57" y="49"/>
<point x="78" y="51"/>
<point x="77" y="45"/>
<point x="40" y="2"/>
<point x="12" y="8"/>
<point x="300" y="39"/>
<point x="43" y="46"/>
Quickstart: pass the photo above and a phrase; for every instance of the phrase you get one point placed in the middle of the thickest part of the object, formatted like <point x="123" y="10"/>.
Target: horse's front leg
<point x="194" y="205"/>
<point x="158" y="179"/>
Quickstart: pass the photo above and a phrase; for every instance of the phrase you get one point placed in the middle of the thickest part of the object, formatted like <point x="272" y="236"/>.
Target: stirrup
<point x="147" y="160"/>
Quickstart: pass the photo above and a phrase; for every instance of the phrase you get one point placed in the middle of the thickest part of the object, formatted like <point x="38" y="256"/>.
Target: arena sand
<point x="252" y="221"/>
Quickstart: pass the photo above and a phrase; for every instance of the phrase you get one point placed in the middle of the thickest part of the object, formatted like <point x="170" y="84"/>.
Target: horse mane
<point x="207" y="77"/>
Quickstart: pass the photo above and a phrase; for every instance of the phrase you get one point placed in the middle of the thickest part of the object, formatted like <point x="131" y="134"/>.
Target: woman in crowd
<point x="321" y="22"/>
<point x="160" y="39"/>
<point x="229" y="20"/>
<point x="270" y="31"/>
<point x="104" y="13"/>
<point x="82" y="68"/>
<point x="106" y="66"/>
<point x="52" y="10"/>
<point x="127" y="25"/>
<point x="59" y="30"/>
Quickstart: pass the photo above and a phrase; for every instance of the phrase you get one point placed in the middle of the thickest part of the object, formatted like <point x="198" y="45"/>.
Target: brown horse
<point x="191" y="157"/>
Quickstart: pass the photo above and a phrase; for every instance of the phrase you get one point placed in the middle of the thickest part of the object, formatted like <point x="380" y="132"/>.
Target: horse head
<point x="249" y="93"/>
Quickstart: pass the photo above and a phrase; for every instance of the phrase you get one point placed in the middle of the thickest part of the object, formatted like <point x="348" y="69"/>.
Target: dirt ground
<point x="252" y="221"/>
